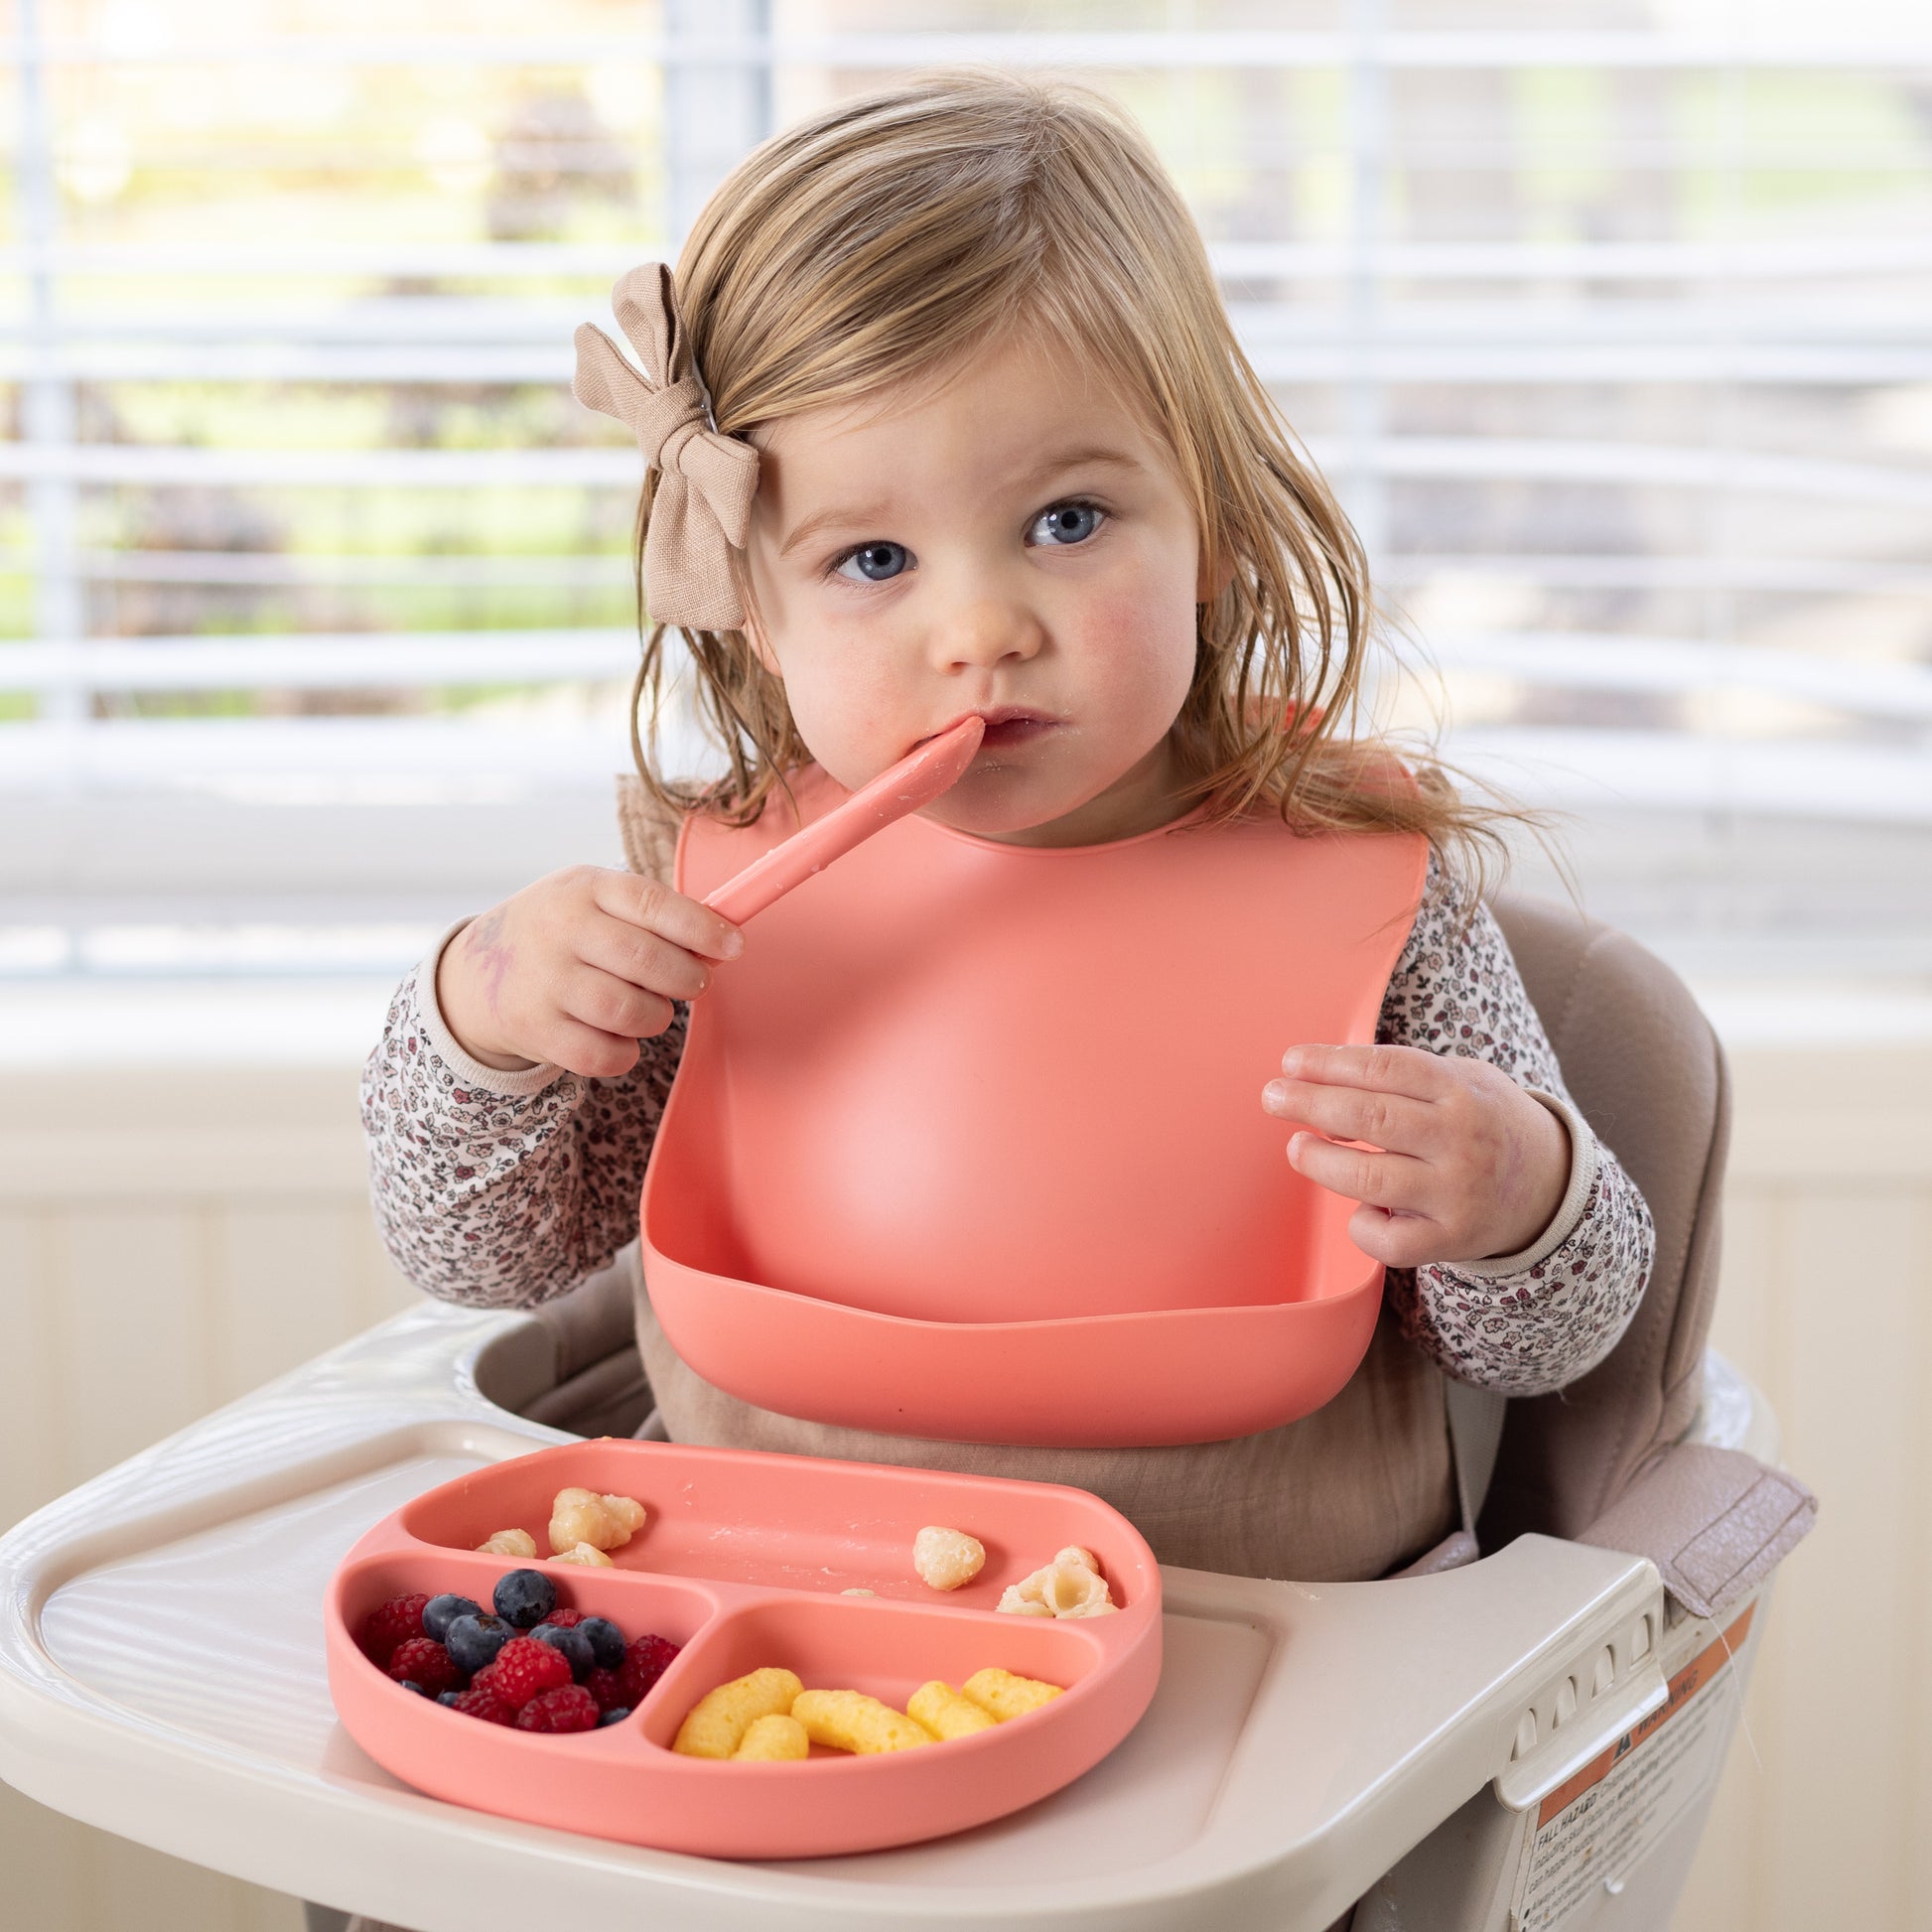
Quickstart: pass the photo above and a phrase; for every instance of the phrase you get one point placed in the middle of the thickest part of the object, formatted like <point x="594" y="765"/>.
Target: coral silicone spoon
<point x="917" y="779"/>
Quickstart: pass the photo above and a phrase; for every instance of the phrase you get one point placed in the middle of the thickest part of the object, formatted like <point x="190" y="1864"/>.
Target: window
<point x="1608" y="321"/>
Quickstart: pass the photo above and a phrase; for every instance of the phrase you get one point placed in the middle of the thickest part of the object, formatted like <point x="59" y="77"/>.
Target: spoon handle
<point x="917" y="779"/>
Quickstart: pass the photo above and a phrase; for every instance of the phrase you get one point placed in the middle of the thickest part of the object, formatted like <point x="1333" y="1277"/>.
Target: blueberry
<point x="442" y="1612"/>
<point x="410" y="1684"/>
<point x="524" y="1597"/>
<point x="614" y="1715"/>
<point x="473" y="1641"/>
<point x="448" y="1696"/>
<point x="605" y="1639"/>
<point x="572" y="1645"/>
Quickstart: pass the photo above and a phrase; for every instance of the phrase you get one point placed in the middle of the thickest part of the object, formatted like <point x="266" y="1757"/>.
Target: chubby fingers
<point x="1394" y="1182"/>
<point x="616" y="1007"/>
<point x="1392" y="1120"/>
<point x="1398" y="1222"/>
<point x="630" y="953"/>
<point x="657" y="908"/>
<point x="1461" y="1161"/>
<point x="1386" y="1096"/>
<point x="1407" y="1070"/>
<point x="635" y="954"/>
<point x="1396" y="1240"/>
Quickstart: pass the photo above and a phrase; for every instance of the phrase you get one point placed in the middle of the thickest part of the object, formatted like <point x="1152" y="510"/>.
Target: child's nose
<point x="987" y="632"/>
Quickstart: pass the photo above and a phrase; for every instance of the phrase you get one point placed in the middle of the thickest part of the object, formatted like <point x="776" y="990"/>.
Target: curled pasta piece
<point x="1062" y="1587"/>
<point x="1016" y="1602"/>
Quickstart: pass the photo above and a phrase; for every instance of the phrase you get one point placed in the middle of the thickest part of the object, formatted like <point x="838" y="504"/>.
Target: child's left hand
<point x="1470" y="1166"/>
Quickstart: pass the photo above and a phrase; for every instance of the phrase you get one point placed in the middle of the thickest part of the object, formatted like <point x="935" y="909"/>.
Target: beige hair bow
<point x="702" y="510"/>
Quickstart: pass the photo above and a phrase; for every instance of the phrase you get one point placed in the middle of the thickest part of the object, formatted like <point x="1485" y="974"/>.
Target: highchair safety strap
<point x="1476" y="1430"/>
<point x="1476" y="1426"/>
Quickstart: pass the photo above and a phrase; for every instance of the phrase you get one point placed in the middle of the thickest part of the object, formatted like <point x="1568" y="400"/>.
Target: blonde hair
<point x="888" y="236"/>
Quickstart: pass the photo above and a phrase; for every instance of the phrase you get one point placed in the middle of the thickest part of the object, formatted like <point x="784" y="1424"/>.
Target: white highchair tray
<point x="160" y="1676"/>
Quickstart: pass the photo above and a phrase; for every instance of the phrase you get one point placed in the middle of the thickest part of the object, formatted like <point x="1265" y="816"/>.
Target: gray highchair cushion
<point x="1643" y="1063"/>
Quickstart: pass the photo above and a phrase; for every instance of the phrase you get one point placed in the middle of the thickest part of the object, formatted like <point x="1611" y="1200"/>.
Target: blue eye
<point x="1065" y="524"/>
<point x="873" y="562"/>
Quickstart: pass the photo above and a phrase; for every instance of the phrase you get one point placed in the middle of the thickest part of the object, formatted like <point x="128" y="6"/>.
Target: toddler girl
<point x="944" y="416"/>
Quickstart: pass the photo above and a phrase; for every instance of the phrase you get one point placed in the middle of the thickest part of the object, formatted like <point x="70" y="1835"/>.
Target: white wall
<point x="171" y="1239"/>
<point x="1826" y="1304"/>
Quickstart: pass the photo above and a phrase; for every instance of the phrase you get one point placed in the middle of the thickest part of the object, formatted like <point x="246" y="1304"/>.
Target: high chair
<point x="1528" y="1739"/>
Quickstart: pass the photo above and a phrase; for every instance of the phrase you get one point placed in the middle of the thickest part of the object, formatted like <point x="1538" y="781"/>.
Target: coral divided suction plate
<point x="745" y="1561"/>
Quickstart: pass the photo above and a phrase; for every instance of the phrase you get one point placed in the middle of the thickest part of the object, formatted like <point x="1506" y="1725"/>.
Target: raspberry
<point x="478" y="1701"/>
<point x="606" y="1686"/>
<point x="387" y="1625"/>
<point x="645" y="1660"/>
<point x="524" y="1669"/>
<point x="424" y="1662"/>
<point x="561" y="1619"/>
<point x="570" y="1709"/>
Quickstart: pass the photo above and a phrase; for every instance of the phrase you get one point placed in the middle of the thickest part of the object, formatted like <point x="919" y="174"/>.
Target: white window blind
<point x="1608" y="321"/>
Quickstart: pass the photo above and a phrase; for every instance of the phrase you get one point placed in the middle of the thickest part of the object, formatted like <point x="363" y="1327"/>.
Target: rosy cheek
<point x="847" y="714"/>
<point x="1139" y="646"/>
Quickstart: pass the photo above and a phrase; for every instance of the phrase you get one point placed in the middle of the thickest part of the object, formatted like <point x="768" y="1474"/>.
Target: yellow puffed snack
<point x="716" y="1724"/>
<point x="849" y="1720"/>
<point x="510" y="1542"/>
<point x="1000" y="1695"/>
<point x="583" y="1516"/>
<point x="945" y="1712"/>
<point x="776" y="1739"/>
<point x="587" y="1554"/>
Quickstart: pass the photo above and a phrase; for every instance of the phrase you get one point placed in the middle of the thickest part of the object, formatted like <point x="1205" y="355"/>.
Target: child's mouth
<point x="1010" y="725"/>
<point x="1002" y="733"/>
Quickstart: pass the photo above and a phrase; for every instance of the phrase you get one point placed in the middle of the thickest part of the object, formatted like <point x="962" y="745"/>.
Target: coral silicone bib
<point x="957" y="1082"/>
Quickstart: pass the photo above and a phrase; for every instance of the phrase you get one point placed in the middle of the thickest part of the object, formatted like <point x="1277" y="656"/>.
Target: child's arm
<point x="506" y="1151"/>
<point x="1518" y="1247"/>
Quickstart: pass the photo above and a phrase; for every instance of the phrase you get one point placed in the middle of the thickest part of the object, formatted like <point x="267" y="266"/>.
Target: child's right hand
<point x="576" y="969"/>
